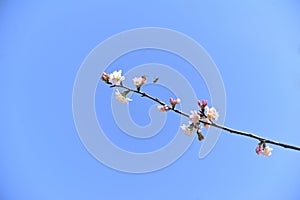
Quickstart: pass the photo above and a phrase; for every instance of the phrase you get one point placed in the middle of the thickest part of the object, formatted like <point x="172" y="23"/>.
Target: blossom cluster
<point x="202" y="117"/>
<point x="116" y="78"/>
<point x="139" y="81"/>
<point x="263" y="149"/>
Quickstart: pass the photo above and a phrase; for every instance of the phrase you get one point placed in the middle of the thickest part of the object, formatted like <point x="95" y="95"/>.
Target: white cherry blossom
<point x="121" y="97"/>
<point x="195" y="117"/>
<point x="188" y="130"/>
<point x="116" y="77"/>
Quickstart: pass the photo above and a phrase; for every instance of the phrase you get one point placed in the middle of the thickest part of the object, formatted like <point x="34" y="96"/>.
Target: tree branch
<point x="211" y="123"/>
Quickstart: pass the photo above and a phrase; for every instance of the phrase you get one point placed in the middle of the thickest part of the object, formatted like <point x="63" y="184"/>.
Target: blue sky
<point x="255" y="45"/>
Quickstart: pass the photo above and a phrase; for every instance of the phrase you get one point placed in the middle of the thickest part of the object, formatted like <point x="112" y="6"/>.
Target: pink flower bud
<point x="105" y="77"/>
<point x="204" y="103"/>
<point x="174" y="102"/>
<point x="258" y="149"/>
<point x="166" y="108"/>
<point x="177" y="101"/>
<point x="199" y="103"/>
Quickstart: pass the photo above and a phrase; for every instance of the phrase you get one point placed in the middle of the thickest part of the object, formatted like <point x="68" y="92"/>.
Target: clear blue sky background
<point x="255" y="44"/>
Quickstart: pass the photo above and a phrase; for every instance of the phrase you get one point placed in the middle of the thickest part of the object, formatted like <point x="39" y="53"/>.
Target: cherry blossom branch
<point x="205" y="115"/>
<point x="211" y="123"/>
<point x="143" y="94"/>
